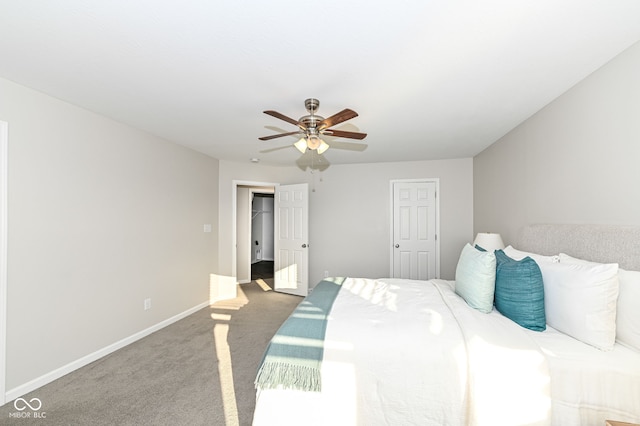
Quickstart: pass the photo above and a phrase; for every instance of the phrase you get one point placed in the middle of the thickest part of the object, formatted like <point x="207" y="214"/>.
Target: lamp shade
<point x="323" y="147"/>
<point x="313" y="142"/>
<point x="489" y="241"/>
<point x="301" y="145"/>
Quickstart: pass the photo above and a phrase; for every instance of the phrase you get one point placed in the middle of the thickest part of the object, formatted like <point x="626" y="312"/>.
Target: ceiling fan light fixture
<point x="301" y="145"/>
<point x="313" y="142"/>
<point x="323" y="147"/>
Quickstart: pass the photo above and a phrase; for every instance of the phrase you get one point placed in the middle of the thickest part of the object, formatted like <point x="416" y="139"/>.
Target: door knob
<point x="397" y="245"/>
<point x="304" y="246"/>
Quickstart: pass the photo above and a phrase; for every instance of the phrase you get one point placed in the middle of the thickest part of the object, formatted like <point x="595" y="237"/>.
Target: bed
<point x="361" y="351"/>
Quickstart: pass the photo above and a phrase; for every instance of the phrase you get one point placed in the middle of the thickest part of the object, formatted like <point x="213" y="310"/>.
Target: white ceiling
<point x="431" y="79"/>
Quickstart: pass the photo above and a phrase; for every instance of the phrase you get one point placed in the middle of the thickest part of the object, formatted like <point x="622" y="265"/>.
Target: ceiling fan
<point x="312" y="126"/>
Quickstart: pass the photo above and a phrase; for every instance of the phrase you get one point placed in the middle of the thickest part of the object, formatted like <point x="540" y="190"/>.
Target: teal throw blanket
<point x="294" y="355"/>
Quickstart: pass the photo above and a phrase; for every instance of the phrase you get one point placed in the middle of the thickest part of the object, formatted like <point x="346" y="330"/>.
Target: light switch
<point x="207" y="227"/>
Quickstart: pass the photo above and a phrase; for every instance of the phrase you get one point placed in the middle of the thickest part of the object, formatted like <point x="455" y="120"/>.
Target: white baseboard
<point x="66" y="369"/>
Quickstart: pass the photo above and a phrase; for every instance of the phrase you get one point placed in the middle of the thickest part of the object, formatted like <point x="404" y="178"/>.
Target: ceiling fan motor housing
<point x="309" y="122"/>
<point x="311" y="105"/>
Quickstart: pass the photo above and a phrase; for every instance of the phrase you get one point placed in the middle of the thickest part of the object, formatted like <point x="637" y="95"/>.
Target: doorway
<point x="262" y="236"/>
<point x="290" y="230"/>
<point x="249" y="222"/>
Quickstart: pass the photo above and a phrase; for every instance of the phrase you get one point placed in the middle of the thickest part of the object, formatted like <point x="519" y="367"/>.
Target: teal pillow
<point x="475" y="278"/>
<point x="519" y="293"/>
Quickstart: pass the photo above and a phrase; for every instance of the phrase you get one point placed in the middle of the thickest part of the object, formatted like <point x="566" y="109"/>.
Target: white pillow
<point x="539" y="258"/>
<point x="580" y="300"/>
<point x="628" y="316"/>
<point x="476" y="278"/>
<point x="627" y="311"/>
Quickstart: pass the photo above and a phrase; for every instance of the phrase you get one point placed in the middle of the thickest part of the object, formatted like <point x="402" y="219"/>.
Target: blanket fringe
<point x="279" y="375"/>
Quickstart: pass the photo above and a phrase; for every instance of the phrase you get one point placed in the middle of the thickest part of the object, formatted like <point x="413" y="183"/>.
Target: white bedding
<point x="375" y="370"/>
<point x="400" y="352"/>
<point x="589" y="385"/>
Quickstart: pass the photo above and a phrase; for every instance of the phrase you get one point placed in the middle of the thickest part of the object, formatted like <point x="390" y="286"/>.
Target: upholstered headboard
<point x="598" y="243"/>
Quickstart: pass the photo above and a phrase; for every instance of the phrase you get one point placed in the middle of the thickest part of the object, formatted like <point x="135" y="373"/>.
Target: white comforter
<point x="589" y="385"/>
<point x="401" y="352"/>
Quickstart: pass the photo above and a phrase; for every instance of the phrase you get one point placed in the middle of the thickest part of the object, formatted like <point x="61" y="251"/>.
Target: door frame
<point x="234" y="217"/>
<point x="4" y="152"/>
<point x="437" y="212"/>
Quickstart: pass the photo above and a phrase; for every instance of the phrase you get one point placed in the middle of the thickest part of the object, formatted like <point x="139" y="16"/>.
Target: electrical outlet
<point x="147" y="304"/>
<point x="326" y="274"/>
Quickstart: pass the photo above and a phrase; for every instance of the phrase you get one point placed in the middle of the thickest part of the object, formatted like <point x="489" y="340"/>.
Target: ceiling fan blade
<point x="344" y="115"/>
<point x="266" y="138"/>
<point x="349" y="146"/>
<point x="278" y="148"/>
<point x="276" y="114"/>
<point x="344" y="134"/>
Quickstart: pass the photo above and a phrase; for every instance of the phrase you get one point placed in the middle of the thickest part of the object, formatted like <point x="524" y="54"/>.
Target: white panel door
<point x="291" y="246"/>
<point x="414" y="230"/>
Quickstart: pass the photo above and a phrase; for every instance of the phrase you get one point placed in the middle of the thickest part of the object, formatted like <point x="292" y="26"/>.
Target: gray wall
<point x="575" y="161"/>
<point x="349" y="218"/>
<point x="101" y="216"/>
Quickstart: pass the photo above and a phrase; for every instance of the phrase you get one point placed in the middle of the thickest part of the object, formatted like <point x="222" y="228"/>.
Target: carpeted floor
<point x="197" y="371"/>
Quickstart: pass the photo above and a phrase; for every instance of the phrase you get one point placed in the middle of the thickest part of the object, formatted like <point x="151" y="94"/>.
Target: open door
<point x="291" y="233"/>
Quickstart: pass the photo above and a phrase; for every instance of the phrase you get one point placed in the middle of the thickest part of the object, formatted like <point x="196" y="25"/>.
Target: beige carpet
<point x="197" y="371"/>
